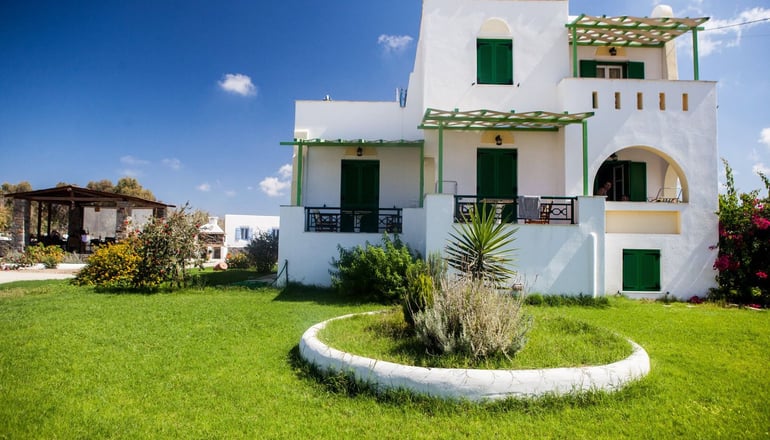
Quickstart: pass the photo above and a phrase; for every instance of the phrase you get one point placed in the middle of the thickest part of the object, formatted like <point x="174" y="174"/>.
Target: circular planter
<point x="471" y="384"/>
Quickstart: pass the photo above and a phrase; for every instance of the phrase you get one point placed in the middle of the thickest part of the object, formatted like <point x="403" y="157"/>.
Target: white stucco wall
<point x="399" y="175"/>
<point x="448" y="34"/>
<point x="258" y="223"/>
<point x="356" y="120"/>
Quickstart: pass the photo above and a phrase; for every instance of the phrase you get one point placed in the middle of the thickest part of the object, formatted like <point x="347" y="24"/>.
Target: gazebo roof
<point x="75" y="195"/>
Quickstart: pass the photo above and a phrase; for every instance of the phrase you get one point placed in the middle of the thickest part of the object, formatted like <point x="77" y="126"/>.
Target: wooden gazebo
<point x="76" y="200"/>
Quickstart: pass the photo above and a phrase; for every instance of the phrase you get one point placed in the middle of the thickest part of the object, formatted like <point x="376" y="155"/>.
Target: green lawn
<point x="221" y="363"/>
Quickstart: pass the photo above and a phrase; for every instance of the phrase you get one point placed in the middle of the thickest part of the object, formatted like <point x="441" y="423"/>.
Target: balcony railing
<point x="324" y="219"/>
<point x="542" y="210"/>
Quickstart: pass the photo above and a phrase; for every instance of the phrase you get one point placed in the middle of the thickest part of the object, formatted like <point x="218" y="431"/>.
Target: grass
<point x="221" y="363"/>
<point x="554" y="341"/>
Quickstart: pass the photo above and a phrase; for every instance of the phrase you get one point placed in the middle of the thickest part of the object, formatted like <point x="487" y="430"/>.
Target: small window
<point x="617" y="100"/>
<point x="243" y="233"/>
<point x="640" y="101"/>
<point x="641" y="270"/>
<point x="494" y="61"/>
<point x="685" y="102"/>
<point x="662" y="101"/>
<point x="595" y="99"/>
<point x="611" y="70"/>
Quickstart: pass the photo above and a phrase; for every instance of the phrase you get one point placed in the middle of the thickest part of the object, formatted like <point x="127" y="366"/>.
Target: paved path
<point x="27" y="274"/>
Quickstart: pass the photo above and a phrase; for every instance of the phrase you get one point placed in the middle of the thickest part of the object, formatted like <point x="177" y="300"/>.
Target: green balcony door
<point x="496" y="178"/>
<point x="360" y="195"/>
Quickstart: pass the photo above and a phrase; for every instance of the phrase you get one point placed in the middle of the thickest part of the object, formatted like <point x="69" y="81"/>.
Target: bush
<point x="237" y="260"/>
<point x="165" y="247"/>
<point x="50" y="256"/>
<point x="111" y="266"/>
<point x="470" y="317"/>
<point x="744" y="245"/>
<point x="377" y="272"/>
<point x="262" y="251"/>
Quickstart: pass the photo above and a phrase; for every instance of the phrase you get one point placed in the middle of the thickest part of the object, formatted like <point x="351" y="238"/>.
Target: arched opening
<point x="494" y="28"/>
<point x="641" y="174"/>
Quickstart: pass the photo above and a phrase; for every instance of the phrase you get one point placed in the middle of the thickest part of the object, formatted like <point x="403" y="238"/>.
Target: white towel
<point x="529" y="207"/>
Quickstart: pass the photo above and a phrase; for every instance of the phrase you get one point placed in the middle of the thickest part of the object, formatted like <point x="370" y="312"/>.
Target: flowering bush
<point x="743" y="261"/>
<point x="50" y="256"/>
<point x="237" y="260"/>
<point x="111" y="266"/>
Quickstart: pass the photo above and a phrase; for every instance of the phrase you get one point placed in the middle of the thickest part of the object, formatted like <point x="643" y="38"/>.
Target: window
<point x="494" y="61"/>
<point x="243" y="233"/>
<point x="600" y="69"/>
<point x="641" y="270"/>
<point x="628" y="179"/>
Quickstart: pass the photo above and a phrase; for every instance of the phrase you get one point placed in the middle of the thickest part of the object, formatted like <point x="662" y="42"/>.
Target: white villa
<point x="517" y="104"/>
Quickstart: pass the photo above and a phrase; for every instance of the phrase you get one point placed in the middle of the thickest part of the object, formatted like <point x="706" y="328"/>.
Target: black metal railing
<point x="324" y="219"/>
<point x="543" y="210"/>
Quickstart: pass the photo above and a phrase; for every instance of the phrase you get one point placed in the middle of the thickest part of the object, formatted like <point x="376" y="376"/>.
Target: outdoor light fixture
<point x="613" y="51"/>
<point x="498" y="140"/>
<point x="614" y="156"/>
<point x="359" y="152"/>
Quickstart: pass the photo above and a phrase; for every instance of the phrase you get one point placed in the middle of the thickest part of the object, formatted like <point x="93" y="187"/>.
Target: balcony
<point x="541" y="210"/>
<point x="325" y="219"/>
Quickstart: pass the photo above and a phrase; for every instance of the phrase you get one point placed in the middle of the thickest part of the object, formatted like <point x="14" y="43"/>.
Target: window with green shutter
<point x="494" y="61"/>
<point x="611" y="70"/>
<point x="641" y="270"/>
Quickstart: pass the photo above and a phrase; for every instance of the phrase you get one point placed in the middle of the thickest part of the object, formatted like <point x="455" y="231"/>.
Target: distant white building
<point x="212" y="238"/>
<point x="518" y="105"/>
<point x="240" y="229"/>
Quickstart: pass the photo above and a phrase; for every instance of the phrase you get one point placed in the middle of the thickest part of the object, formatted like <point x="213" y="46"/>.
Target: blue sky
<point x="193" y="97"/>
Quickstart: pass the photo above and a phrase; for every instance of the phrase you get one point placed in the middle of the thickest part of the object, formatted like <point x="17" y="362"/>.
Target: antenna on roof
<point x="327" y="98"/>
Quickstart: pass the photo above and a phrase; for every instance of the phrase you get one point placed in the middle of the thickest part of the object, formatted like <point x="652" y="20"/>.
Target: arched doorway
<point x="641" y="174"/>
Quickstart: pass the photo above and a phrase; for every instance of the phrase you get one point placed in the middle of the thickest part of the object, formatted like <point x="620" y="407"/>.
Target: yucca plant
<point x="480" y="247"/>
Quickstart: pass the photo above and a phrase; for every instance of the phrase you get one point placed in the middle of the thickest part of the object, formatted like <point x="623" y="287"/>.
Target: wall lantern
<point x="359" y="151"/>
<point x="498" y="140"/>
<point x="613" y="51"/>
<point x="614" y="156"/>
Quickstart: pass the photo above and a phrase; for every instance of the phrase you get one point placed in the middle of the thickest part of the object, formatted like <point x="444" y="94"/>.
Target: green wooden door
<point x="496" y="178"/>
<point x="637" y="178"/>
<point x="641" y="270"/>
<point x="360" y="195"/>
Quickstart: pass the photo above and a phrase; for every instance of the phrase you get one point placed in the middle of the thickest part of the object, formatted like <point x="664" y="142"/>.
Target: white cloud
<point x="238" y="83"/>
<point x="276" y="186"/>
<point x="394" y="43"/>
<point x="205" y="187"/>
<point x="128" y="172"/>
<point x="285" y="171"/>
<point x="131" y="160"/>
<point x="172" y="163"/>
<point x="230" y="193"/>
<point x="764" y="136"/>
<point x="726" y="33"/>
<point x="760" y="168"/>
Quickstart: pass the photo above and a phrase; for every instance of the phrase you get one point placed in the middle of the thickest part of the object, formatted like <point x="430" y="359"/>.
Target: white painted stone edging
<point x="470" y="384"/>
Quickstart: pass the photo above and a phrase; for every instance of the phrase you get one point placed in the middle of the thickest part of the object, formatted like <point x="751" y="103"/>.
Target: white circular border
<point x="470" y="384"/>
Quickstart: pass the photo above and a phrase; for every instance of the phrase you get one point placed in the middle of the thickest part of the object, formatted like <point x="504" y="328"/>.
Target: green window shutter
<point x="503" y="62"/>
<point x="494" y="61"/>
<point x="641" y="270"/>
<point x="587" y="69"/>
<point x="484" y="60"/>
<point x="638" y="182"/>
<point x="635" y="70"/>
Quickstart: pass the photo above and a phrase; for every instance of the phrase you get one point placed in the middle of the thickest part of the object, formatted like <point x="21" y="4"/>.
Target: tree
<point x="6" y="203"/>
<point x="104" y="185"/>
<point x="263" y="251"/>
<point x="128" y="186"/>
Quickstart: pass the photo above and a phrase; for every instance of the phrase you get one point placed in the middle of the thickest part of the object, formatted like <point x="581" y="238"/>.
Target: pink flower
<point x="761" y="222"/>
<point x="722" y="263"/>
<point x="761" y="275"/>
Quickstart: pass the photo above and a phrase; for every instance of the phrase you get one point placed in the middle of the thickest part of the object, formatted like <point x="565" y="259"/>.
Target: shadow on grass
<point x="294" y="292"/>
<point x="344" y="384"/>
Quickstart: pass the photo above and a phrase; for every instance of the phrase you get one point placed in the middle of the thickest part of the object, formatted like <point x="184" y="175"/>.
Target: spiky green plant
<point x="481" y="248"/>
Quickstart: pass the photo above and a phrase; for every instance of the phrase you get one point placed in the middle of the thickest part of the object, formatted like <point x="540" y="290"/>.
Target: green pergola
<point x="354" y="143"/>
<point x="484" y="120"/>
<point x="588" y="30"/>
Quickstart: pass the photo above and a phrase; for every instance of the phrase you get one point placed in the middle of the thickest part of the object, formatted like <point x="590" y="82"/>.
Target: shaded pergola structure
<point x="76" y="199"/>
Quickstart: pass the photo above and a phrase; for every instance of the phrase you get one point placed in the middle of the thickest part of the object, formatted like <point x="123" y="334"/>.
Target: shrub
<point x="111" y="266"/>
<point x="469" y="316"/>
<point x="262" y="251"/>
<point x="378" y="272"/>
<point x="50" y="256"/>
<point x="237" y="260"/>
<point x="744" y="245"/>
<point x="165" y="247"/>
<point x="479" y="247"/>
<point x="421" y="281"/>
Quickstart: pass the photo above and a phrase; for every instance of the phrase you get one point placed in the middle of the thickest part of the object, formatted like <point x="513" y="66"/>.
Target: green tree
<point x="128" y="186"/>
<point x="101" y="185"/>
<point x="262" y="251"/>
